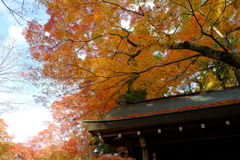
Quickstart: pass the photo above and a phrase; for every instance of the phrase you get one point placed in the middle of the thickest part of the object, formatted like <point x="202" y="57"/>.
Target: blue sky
<point x="28" y="119"/>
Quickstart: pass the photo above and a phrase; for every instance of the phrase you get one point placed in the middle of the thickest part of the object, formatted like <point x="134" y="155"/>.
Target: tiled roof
<point x="176" y="104"/>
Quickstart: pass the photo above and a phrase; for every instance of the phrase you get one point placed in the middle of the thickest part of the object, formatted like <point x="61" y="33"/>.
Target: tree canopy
<point x="106" y="49"/>
<point x="91" y="53"/>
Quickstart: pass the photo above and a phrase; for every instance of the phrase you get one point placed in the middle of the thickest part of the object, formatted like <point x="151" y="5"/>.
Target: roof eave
<point x="115" y="126"/>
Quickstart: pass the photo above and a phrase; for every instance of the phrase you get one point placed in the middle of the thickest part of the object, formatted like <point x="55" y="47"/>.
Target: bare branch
<point x="141" y="14"/>
<point x="99" y="36"/>
<point x="117" y="47"/>
<point x="180" y="5"/>
<point x="14" y="13"/>
<point x="140" y="9"/>
<point x="134" y="55"/>
<point x="127" y="37"/>
<point x="115" y="4"/>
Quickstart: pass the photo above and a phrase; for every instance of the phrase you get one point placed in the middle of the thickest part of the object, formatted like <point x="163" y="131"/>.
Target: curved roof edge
<point x="175" y="104"/>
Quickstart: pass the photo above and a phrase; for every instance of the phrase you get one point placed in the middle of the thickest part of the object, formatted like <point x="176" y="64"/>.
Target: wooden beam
<point x="144" y="148"/>
<point x="154" y="156"/>
<point x="220" y="130"/>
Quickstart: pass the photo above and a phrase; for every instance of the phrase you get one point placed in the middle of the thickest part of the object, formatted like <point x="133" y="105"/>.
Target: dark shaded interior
<point x="210" y="149"/>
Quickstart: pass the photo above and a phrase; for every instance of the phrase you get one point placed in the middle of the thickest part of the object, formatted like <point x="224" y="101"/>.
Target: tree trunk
<point x="237" y="74"/>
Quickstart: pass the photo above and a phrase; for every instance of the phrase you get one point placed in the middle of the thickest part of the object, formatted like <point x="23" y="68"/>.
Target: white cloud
<point x="16" y="33"/>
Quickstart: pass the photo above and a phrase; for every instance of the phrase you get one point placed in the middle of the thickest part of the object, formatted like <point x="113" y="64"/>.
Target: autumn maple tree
<point x="91" y="53"/>
<point x="106" y="49"/>
<point x="5" y="138"/>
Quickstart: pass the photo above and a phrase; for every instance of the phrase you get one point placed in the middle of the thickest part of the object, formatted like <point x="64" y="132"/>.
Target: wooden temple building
<point x="203" y="126"/>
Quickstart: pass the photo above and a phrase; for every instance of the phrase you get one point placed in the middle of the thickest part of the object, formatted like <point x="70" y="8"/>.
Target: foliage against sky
<point x="110" y="47"/>
<point x="14" y="58"/>
<point x="99" y="50"/>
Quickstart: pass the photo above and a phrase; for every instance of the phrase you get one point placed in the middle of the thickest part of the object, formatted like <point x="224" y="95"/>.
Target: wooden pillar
<point x="154" y="156"/>
<point x="144" y="148"/>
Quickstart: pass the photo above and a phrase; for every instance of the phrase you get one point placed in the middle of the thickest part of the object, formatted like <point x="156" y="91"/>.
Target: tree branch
<point x="141" y="14"/>
<point x="181" y="73"/>
<point x="235" y="29"/>
<point x="224" y="38"/>
<point x="201" y="27"/>
<point x="229" y="58"/>
<point x="14" y="13"/>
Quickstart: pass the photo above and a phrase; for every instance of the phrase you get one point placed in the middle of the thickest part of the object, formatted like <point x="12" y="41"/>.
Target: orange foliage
<point x="4" y="135"/>
<point x="57" y="143"/>
<point x="99" y="47"/>
<point x="20" y="151"/>
<point x="95" y="51"/>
